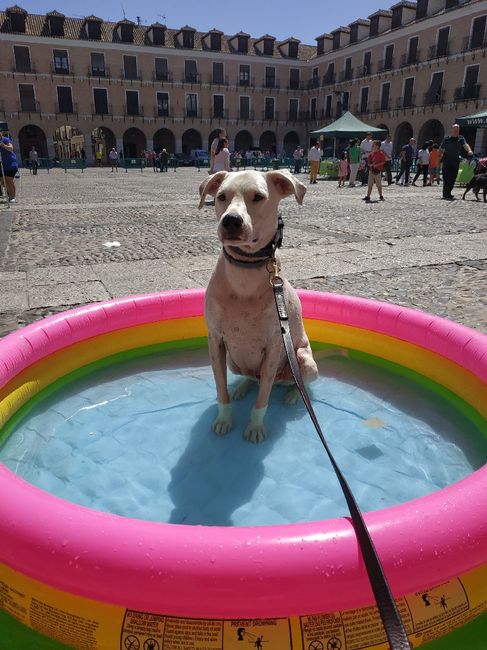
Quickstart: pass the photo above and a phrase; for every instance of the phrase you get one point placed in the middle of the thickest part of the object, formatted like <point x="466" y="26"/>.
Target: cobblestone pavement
<point x="414" y="249"/>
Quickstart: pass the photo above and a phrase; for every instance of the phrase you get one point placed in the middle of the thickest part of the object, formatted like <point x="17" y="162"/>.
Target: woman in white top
<point x="423" y="165"/>
<point x="222" y="157"/>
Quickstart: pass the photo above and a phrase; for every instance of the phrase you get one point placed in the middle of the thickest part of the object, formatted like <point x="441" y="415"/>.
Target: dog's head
<point x="246" y="204"/>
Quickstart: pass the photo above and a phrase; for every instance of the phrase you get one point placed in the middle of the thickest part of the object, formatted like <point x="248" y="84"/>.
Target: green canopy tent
<point x="476" y="119"/>
<point x="347" y="126"/>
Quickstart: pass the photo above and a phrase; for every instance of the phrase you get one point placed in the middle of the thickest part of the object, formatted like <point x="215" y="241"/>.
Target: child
<point x="376" y="160"/>
<point x="434" y="166"/>
<point x="342" y="169"/>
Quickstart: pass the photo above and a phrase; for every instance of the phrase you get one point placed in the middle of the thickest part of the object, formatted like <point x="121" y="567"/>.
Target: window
<point x="22" y="59"/>
<point x="132" y="99"/>
<point x="435" y="92"/>
<point x="384" y="97"/>
<point x="413" y="50"/>
<point x="320" y="47"/>
<point x="56" y="25"/>
<point x="330" y="74"/>
<point x="130" y="67"/>
<point x="421" y="9"/>
<point x="243" y="44"/>
<point x="27" y="98"/>
<point x="442" y="43"/>
<point x="293" y="50"/>
<point x="61" y="62"/>
<point x="315" y="78"/>
<point x="367" y="63"/>
<point x="190" y="72"/>
<point x="450" y="4"/>
<point x="312" y="108"/>
<point x="270" y="77"/>
<point x="158" y="36"/>
<point x="364" y="99"/>
<point x="268" y="47"/>
<point x="217" y="73"/>
<point x="215" y="42"/>
<point x="126" y="33"/>
<point x="188" y="39"/>
<point x="94" y="30"/>
<point x="336" y="40"/>
<point x="17" y="21"/>
<point x="328" y="99"/>
<point x="65" y="99"/>
<point x="407" y="99"/>
<point x="345" y="100"/>
<point x="269" y="108"/>
<point x="97" y="64"/>
<point x="162" y="100"/>
<point x="353" y="33"/>
<point x="100" y="98"/>
<point x="294" y="78"/>
<point x="478" y="32"/>
<point x="293" y="109"/>
<point x="160" y="68"/>
<point x="348" y="68"/>
<point x="374" y="26"/>
<point x="470" y="84"/>
<point x="218" y="106"/>
<point x="244" y="108"/>
<point x="244" y="78"/>
<point x="396" y="17"/>
<point x="191" y="105"/>
<point x="388" y="57"/>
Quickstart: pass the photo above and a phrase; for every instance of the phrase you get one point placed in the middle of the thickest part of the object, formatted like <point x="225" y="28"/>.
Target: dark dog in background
<point x="477" y="183"/>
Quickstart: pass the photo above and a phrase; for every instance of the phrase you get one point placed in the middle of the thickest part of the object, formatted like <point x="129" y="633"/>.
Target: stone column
<point x="88" y="150"/>
<point x="51" y="152"/>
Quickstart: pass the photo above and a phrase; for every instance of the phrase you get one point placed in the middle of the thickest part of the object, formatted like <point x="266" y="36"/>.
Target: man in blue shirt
<point x="10" y="166"/>
<point x="406" y="158"/>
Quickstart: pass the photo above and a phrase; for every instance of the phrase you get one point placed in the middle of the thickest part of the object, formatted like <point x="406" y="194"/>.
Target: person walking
<point x="423" y="165"/>
<point x="386" y="147"/>
<point x="354" y="161"/>
<point x="298" y="159"/>
<point x="451" y="150"/>
<point x="406" y="157"/>
<point x="34" y="160"/>
<point x="163" y="160"/>
<point x="314" y="158"/>
<point x="10" y="166"/>
<point x="342" y="169"/>
<point x="113" y="156"/>
<point x="365" y="149"/>
<point x="376" y="161"/>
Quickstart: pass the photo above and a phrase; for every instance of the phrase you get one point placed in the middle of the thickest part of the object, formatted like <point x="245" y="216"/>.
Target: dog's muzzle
<point x="232" y="224"/>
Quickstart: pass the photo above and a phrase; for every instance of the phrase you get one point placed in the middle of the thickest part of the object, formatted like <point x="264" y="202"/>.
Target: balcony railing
<point x="410" y="59"/>
<point x="23" y="69"/>
<point x="162" y="76"/>
<point x="102" y="110"/>
<point x="98" y="71"/>
<point x="434" y="97"/>
<point x="271" y="82"/>
<point x="295" y="84"/>
<point x="406" y="102"/>
<point x="246" y="115"/>
<point x="28" y="106"/>
<point x="163" y="112"/>
<point x="129" y="76"/>
<point x="134" y="111"/>
<point x="346" y="75"/>
<point x="246" y="81"/>
<point x="329" y="79"/>
<point x="292" y="116"/>
<point x="360" y="109"/>
<point x="191" y="78"/>
<point x="218" y="81"/>
<point x="364" y="70"/>
<point x="474" y="43"/>
<point x="314" y="82"/>
<point x="470" y="91"/>
<point x="61" y="69"/>
<point x="385" y="64"/>
<point x="382" y="105"/>
<point x="435" y="51"/>
<point x="66" y="109"/>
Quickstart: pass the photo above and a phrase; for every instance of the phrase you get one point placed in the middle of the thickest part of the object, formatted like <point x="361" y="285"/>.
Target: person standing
<point x="221" y="161"/>
<point x="98" y="157"/>
<point x="406" y="157"/>
<point x="9" y="164"/>
<point x="113" y="156"/>
<point x="221" y="133"/>
<point x="376" y="162"/>
<point x="386" y="147"/>
<point x="423" y="165"/>
<point x="342" y="169"/>
<point x="314" y="158"/>
<point x="163" y="160"/>
<point x="298" y="159"/>
<point x="354" y="156"/>
<point x="365" y="149"/>
<point x="34" y="160"/>
<point x="451" y="150"/>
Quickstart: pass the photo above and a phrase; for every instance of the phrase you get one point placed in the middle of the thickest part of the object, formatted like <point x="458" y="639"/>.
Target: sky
<point x="303" y="20"/>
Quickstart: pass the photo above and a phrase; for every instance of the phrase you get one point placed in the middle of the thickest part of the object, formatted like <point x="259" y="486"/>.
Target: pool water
<point x="135" y="439"/>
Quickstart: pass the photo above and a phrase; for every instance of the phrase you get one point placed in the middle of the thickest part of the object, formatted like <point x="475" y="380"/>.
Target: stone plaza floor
<point x="413" y="249"/>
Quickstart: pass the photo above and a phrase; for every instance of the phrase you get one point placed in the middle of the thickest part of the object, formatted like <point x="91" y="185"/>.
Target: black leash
<point x="391" y="619"/>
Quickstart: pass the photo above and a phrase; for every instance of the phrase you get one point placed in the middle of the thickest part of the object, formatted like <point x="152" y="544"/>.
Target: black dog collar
<point x="260" y="257"/>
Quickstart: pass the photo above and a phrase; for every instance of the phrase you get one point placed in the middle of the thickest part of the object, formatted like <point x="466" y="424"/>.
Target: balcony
<point x="61" y="69"/>
<point x="382" y="105"/>
<point x="364" y="70"/>
<point x="162" y="112"/>
<point x="219" y="114"/>
<point x="346" y="75"/>
<point x="294" y="84"/>
<point x="162" y="76"/>
<point x="130" y="76"/>
<point x="191" y="78"/>
<point x="435" y="51"/>
<point x="218" y="81"/>
<point x="329" y="79"/>
<point x="133" y="111"/>
<point x="385" y="64"/>
<point x="99" y="72"/>
<point x="28" y="106"/>
<point x="410" y="58"/>
<point x="314" y="82"/>
<point x="23" y="69"/>
<point x="193" y="113"/>
<point x="406" y="102"/>
<point x="271" y="116"/>
<point x="246" y="81"/>
<point x="474" y="43"/>
<point x="66" y="108"/>
<point x="303" y="116"/>
<point x="434" y="97"/>
<point x="469" y="91"/>
<point x="246" y="115"/>
<point x="362" y="108"/>
<point x="292" y="116"/>
<point x="101" y="110"/>
<point x="270" y="82"/>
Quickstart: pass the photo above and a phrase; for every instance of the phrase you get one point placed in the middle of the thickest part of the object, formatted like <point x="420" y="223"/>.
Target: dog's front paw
<point x="241" y="389"/>
<point x="223" y="422"/>
<point x="256" y="431"/>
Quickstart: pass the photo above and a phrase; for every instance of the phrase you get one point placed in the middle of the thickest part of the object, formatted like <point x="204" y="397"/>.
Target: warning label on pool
<point x="142" y="631"/>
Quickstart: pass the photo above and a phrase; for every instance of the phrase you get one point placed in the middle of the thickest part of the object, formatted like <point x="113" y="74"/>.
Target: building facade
<point x="72" y="83"/>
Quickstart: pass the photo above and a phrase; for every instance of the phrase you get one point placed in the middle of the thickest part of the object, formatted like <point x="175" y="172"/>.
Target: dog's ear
<point x="210" y="186"/>
<point x="287" y="184"/>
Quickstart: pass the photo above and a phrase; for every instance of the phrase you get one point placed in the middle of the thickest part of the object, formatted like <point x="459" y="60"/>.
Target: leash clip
<point x="273" y="269"/>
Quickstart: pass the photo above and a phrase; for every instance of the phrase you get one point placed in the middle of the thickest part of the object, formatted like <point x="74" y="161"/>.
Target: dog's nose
<point x="232" y="222"/>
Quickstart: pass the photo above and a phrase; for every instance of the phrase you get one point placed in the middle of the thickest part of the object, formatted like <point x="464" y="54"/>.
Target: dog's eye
<point x="258" y="197"/>
<point x="222" y="197"/>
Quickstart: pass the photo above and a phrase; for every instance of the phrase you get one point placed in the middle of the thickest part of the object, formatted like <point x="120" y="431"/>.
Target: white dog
<point x="243" y="326"/>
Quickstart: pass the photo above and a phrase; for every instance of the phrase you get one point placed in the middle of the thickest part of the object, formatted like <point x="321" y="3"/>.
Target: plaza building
<point x="84" y="83"/>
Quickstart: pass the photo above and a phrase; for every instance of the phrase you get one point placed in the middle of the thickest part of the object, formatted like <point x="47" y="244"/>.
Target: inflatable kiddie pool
<point x="76" y="577"/>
